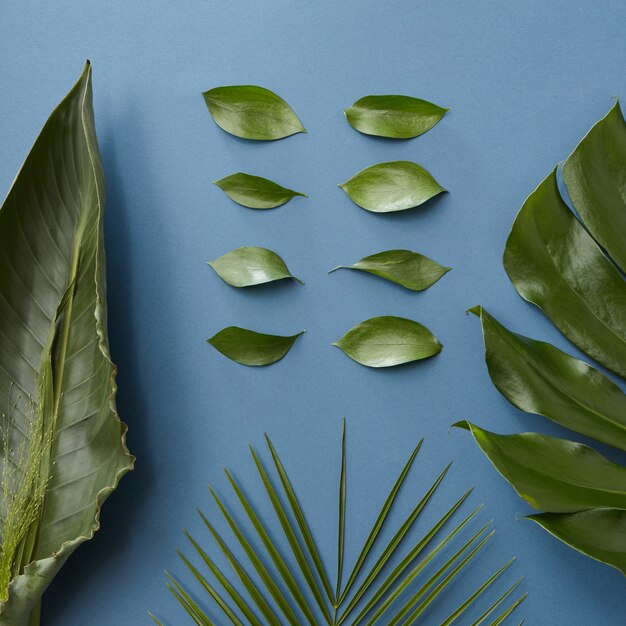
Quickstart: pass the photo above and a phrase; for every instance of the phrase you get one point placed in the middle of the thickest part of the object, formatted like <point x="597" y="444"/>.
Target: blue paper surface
<point x="524" y="81"/>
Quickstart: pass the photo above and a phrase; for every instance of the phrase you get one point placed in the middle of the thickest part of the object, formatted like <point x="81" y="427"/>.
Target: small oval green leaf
<point x="252" y="112"/>
<point x="250" y="265"/>
<point x="251" y="348"/>
<point x="392" y="186"/>
<point x="255" y="192"/>
<point x="396" y="117"/>
<point x="387" y="341"/>
<point x="411" y="270"/>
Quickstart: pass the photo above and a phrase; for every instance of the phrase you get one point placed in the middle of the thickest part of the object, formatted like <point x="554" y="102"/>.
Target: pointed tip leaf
<point x="392" y="186"/>
<point x="387" y="341"/>
<point x="249" y="266"/>
<point x="392" y="116"/>
<point x="408" y="269"/>
<point x="252" y="348"/>
<point x="252" y="112"/>
<point x="255" y="192"/>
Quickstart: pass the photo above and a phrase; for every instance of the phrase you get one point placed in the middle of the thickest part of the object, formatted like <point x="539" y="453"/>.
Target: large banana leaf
<point x="64" y="443"/>
<point x="565" y="263"/>
<point x="372" y="594"/>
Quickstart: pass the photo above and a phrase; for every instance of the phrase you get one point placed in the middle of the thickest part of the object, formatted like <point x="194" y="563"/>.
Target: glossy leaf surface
<point x="255" y="192"/>
<point x="251" y="348"/>
<point x="392" y="186"/>
<point x="598" y="533"/>
<point x="397" y="117"/>
<point x="553" y="474"/>
<point x="408" y="269"/>
<point x="538" y="378"/>
<point x="250" y="265"/>
<point x="387" y="341"/>
<point x="55" y="369"/>
<point x="595" y="181"/>
<point x="252" y="112"/>
<point x="554" y="263"/>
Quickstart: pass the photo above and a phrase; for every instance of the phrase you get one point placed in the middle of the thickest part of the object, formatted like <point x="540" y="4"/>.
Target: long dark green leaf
<point x="554" y="263"/>
<point x="397" y="117"/>
<point x="55" y="368"/>
<point x="251" y="265"/>
<point x="243" y="576"/>
<point x="341" y="525"/>
<point x="252" y="112"/>
<point x="261" y="570"/>
<point x="393" y="186"/>
<point x="251" y="348"/>
<point x="595" y="181"/>
<point x="294" y="544"/>
<point x="387" y="341"/>
<point x="538" y="378"/>
<point x="301" y="521"/>
<point x="255" y="192"/>
<point x="598" y="533"/>
<point x="378" y="524"/>
<point x="411" y="270"/>
<point x="553" y="474"/>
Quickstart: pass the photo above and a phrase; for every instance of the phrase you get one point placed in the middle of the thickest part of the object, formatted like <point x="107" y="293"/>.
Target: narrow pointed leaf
<point x="595" y="181"/>
<point x="187" y="602"/>
<point x="396" y="117"/>
<point x="497" y="603"/>
<point x="251" y="348"/>
<point x="55" y="368"/>
<point x="538" y="378"/>
<point x="408" y="269"/>
<point x="554" y="263"/>
<point x="598" y="533"/>
<point x="341" y="523"/>
<point x="249" y="266"/>
<point x="393" y="186"/>
<point x="501" y="619"/>
<point x="387" y="341"/>
<point x="301" y="520"/>
<point x="252" y="112"/>
<point x="255" y="192"/>
<point x="553" y="474"/>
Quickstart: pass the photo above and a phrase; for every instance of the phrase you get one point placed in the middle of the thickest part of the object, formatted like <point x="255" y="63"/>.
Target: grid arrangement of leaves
<point x="398" y="588"/>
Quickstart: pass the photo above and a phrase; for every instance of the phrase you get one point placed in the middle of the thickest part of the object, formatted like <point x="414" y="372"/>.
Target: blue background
<point x="524" y="80"/>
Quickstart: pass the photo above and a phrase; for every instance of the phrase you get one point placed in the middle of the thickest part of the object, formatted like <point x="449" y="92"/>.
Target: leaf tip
<point x="475" y="310"/>
<point x="464" y="424"/>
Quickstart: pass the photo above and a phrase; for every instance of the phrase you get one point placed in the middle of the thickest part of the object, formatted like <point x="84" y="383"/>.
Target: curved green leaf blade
<point x="251" y="348"/>
<point x="554" y="263"/>
<point x="410" y="270"/>
<point x="553" y="474"/>
<point x="595" y="181"/>
<point x="396" y="117"/>
<point x="598" y="533"/>
<point x="55" y="369"/>
<point x="387" y="341"/>
<point x="538" y="378"/>
<point x="255" y="192"/>
<point x="250" y="265"/>
<point x="392" y="186"/>
<point x="252" y="112"/>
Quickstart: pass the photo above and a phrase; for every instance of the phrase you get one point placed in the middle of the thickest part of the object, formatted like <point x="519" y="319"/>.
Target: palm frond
<point x="376" y="594"/>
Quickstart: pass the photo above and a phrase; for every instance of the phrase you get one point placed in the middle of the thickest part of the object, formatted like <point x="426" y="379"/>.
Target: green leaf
<point x="63" y="432"/>
<point x="595" y="181"/>
<point x="598" y="533"/>
<point x="255" y="192"/>
<point x="252" y="112"/>
<point x="538" y="378"/>
<point x="393" y="186"/>
<point x="554" y="263"/>
<point x="386" y="341"/>
<point x="396" y="117"/>
<point x="554" y="474"/>
<point x="408" y="269"/>
<point x="251" y="348"/>
<point x="250" y="265"/>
